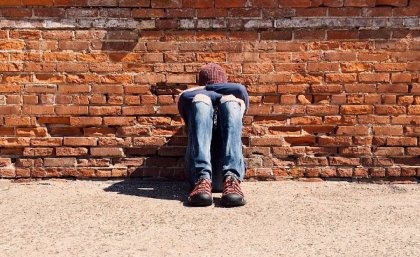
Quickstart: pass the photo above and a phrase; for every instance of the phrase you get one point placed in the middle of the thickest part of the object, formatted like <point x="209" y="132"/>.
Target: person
<point x="213" y="113"/>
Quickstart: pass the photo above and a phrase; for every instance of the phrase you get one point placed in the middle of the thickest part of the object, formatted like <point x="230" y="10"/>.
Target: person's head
<point x="211" y="73"/>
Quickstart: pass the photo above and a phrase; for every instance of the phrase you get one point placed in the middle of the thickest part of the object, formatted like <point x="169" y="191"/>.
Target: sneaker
<point x="201" y="194"/>
<point x="232" y="194"/>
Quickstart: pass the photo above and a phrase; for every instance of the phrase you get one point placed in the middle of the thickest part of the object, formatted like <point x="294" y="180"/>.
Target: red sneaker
<point x="201" y="194"/>
<point x="232" y="194"/>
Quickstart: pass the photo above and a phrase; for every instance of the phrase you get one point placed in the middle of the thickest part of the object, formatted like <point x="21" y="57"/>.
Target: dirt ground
<point x="149" y="218"/>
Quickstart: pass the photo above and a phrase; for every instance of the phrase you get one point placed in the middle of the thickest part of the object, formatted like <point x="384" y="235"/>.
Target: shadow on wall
<point x="160" y="153"/>
<point x="119" y="43"/>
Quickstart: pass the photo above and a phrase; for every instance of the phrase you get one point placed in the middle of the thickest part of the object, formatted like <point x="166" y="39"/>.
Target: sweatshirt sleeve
<point x="236" y="89"/>
<point x="186" y="98"/>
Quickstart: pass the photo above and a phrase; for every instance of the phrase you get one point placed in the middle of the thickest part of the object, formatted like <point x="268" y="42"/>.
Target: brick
<point x="408" y="171"/>
<point x="106" y="151"/>
<point x="137" y="110"/>
<point x="344" y="172"/>
<point x="322" y="110"/>
<point x="395" y="88"/>
<point x="392" y="2"/>
<point x="335" y="141"/>
<point x="31" y="132"/>
<point x="355" y="151"/>
<point x="390" y="109"/>
<point x="356" y="109"/>
<point x="388" y="130"/>
<point x="71" y="151"/>
<point x="197" y="4"/>
<point x="359" y="3"/>
<point x="80" y="141"/>
<point x="19" y="121"/>
<point x="268" y="141"/>
<point x="401" y="141"/>
<point x="318" y="129"/>
<point x="352" y="130"/>
<point x="11" y="45"/>
<point x="149" y="13"/>
<point x="166" y="3"/>
<point x="288" y="151"/>
<point x="340" y="78"/>
<point x="65" y="131"/>
<point x="71" y="110"/>
<point x="229" y="3"/>
<point x="38" y="109"/>
<point x="10" y="110"/>
<point x="362" y="140"/>
<point x="105" y="110"/>
<point x="401" y="77"/>
<point x="328" y="172"/>
<point x="301" y="78"/>
<point x="59" y="162"/>
<point x="38" y="151"/>
<point x="344" y="161"/>
<point x="184" y="78"/>
<point x="374" y="77"/>
<point x="10" y="3"/>
<point x="134" y="3"/>
<point x="306" y="120"/>
<point x="405" y="120"/>
<point x="310" y="34"/>
<point x="296" y="3"/>
<point x="53" y="141"/>
<point x="312" y="161"/>
<point x="85" y="121"/>
<point x="211" y="57"/>
<point x="414" y="109"/>
<point x="388" y="151"/>
<point x="7" y="172"/>
<point x="122" y="121"/>
<point x="413" y="150"/>
<point x="257" y="68"/>
<point x="276" y="35"/>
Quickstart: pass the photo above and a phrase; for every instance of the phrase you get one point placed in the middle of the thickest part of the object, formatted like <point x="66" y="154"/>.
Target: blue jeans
<point x="214" y="148"/>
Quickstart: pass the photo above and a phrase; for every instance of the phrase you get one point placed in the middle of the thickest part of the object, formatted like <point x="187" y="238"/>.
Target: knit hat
<point x="210" y="74"/>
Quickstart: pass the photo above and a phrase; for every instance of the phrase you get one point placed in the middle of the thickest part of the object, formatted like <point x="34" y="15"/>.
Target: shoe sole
<point x="200" y="204"/>
<point x="227" y="203"/>
<point x="204" y="200"/>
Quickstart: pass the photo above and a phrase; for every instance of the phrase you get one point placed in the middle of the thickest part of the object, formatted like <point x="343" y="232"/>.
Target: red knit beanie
<point x="210" y="74"/>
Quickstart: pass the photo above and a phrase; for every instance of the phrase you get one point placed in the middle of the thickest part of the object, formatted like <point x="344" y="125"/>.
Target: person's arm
<point x="235" y="89"/>
<point x="187" y="96"/>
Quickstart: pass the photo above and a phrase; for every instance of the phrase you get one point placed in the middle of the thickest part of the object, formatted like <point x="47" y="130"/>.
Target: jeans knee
<point x="232" y="98"/>
<point x="202" y="98"/>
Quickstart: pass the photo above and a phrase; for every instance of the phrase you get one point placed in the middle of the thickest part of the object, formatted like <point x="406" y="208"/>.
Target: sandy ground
<point x="146" y="218"/>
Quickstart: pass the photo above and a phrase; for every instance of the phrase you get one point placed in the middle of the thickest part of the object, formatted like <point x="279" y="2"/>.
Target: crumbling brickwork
<point x="88" y="88"/>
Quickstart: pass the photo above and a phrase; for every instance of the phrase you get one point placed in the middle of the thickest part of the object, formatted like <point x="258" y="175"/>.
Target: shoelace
<point x="202" y="186"/>
<point x="232" y="187"/>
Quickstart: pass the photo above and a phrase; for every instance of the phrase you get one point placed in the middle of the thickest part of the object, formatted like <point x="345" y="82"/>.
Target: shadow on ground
<point x="167" y="190"/>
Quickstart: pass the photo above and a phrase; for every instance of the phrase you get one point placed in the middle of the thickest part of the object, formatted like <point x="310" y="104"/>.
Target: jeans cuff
<point x="230" y="173"/>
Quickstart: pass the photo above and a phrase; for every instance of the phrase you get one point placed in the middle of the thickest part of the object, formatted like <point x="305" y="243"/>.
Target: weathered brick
<point x="80" y="141"/>
<point x="59" y="162"/>
<point x="71" y="151"/>
<point x="106" y="151"/>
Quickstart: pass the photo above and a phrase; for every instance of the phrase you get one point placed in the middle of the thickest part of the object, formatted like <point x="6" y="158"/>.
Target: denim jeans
<point x="214" y="141"/>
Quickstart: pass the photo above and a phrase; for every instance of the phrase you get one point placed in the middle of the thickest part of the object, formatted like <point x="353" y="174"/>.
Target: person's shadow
<point x="157" y="167"/>
<point x="168" y="190"/>
<point x="158" y="159"/>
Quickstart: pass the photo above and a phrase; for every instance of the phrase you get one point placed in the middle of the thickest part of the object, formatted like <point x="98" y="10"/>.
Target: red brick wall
<point x="88" y="88"/>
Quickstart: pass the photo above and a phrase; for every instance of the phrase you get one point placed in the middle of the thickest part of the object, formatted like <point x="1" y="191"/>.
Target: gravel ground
<point x="149" y="218"/>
